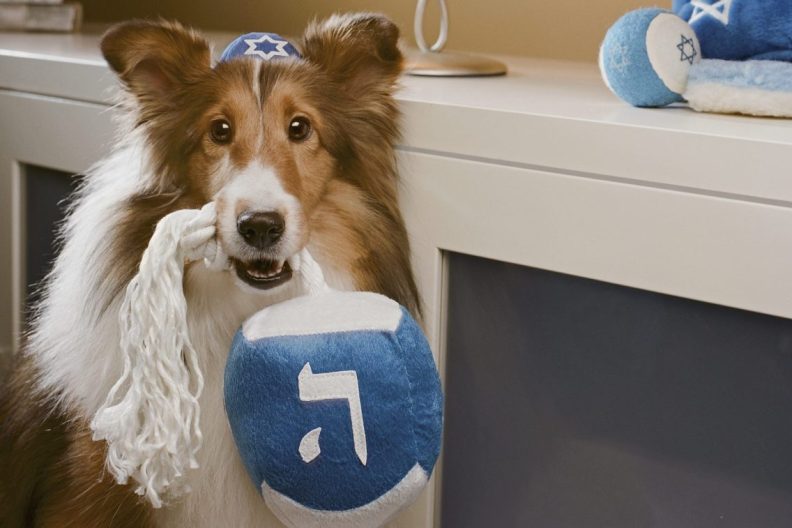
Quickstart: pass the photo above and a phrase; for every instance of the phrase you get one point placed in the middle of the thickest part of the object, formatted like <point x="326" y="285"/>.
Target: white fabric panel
<point x="309" y="445"/>
<point x="722" y="98"/>
<point x="372" y="515"/>
<point x="668" y="40"/>
<point x="329" y="312"/>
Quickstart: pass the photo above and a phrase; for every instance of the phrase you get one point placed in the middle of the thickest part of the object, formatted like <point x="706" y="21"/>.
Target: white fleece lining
<point x="721" y="98"/>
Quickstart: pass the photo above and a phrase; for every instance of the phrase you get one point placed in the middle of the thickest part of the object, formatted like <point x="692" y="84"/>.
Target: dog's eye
<point x="220" y="131"/>
<point x="299" y="128"/>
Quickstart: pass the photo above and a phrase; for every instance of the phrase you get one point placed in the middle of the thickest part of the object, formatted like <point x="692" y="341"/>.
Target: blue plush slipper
<point x="714" y="54"/>
<point x="740" y="29"/>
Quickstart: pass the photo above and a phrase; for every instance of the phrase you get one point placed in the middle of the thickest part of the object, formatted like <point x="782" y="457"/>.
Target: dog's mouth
<point x="263" y="274"/>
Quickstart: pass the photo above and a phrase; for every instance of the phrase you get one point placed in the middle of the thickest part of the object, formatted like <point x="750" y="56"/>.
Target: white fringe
<point x="310" y="273"/>
<point x="151" y="417"/>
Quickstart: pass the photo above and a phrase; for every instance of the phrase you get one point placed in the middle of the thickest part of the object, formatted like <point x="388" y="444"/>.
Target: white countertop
<point x="546" y="115"/>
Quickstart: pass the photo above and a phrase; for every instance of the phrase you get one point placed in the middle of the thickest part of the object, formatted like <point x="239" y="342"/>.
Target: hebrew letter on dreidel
<point x="342" y="385"/>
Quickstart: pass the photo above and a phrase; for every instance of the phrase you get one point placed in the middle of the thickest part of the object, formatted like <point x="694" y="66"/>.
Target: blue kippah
<point x="264" y="46"/>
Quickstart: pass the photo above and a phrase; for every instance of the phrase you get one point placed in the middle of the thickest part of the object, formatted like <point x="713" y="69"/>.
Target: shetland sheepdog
<point x="296" y="152"/>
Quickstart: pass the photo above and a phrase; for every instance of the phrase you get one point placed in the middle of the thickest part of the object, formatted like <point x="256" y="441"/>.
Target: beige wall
<point x="564" y="29"/>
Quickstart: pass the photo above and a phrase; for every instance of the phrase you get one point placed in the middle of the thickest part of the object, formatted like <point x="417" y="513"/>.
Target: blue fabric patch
<point x="625" y="61"/>
<point x="770" y="76"/>
<point x="424" y="381"/>
<point x="740" y="29"/>
<point x="264" y="46"/>
<point x="401" y="401"/>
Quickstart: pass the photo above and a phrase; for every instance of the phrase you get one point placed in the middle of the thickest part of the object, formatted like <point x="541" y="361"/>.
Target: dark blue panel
<point x="46" y="194"/>
<point x="572" y="402"/>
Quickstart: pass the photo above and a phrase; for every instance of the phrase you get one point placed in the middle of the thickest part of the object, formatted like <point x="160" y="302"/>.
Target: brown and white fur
<point x="334" y="187"/>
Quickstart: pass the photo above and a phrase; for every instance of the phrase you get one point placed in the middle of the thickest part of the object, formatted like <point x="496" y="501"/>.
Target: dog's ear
<point x="154" y="59"/>
<point x="360" y="50"/>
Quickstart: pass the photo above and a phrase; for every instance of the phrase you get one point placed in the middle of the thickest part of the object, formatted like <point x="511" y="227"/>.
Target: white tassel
<point x="310" y="273"/>
<point x="151" y="417"/>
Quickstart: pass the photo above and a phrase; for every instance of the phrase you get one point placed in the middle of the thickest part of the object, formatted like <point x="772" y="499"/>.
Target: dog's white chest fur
<point x="222" y="493"/>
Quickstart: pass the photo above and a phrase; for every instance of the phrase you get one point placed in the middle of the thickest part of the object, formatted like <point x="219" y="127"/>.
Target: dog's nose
<point x="261" y="230"/>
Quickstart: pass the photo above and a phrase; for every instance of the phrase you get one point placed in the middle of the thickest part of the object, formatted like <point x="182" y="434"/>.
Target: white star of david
<point x="279" y="51"/>
<point x="718" y="10"/>
<point x="620" y="58"/>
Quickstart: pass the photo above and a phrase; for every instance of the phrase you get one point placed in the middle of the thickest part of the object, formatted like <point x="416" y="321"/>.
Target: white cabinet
<point x="42" y="131"/>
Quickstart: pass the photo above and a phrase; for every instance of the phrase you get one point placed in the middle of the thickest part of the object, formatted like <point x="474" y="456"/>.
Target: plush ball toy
<point x="653" y="58"/>
<point x="335" y="405"/>
<point x="646" y="57"/>
<point x="333" y="397"/>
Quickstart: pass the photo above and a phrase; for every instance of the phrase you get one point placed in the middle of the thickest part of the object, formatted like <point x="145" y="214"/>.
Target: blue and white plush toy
<point x="728" y="56"/>
<point x="335" y="405"/>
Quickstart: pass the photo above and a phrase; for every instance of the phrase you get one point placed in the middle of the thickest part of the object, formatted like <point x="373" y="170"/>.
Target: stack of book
<point x="40" y="15"/>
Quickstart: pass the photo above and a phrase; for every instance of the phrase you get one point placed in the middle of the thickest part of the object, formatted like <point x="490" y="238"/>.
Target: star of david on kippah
<point x="266" y="47"/>
<point x="263" y="46"/>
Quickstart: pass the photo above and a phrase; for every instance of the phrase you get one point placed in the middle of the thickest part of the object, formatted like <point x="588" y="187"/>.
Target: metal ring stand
<point x="431" y="61"/>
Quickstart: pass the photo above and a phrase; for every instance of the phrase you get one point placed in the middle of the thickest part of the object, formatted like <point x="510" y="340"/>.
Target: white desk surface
<point x="543" y="115"/>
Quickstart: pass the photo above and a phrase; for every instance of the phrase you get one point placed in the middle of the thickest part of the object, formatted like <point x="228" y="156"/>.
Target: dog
<point x="295" y="153"/>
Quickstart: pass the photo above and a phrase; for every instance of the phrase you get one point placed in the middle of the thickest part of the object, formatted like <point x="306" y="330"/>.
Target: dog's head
<point x="263" y="139"/>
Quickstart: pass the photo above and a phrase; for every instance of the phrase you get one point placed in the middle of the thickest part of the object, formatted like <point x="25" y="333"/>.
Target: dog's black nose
<point x="261" y="230"/>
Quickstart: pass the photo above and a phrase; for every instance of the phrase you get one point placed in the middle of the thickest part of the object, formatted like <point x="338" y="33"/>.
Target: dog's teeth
<point x="273" y="271"/>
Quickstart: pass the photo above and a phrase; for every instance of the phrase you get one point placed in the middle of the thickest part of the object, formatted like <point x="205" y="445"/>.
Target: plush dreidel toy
<point x="333" y="397"/>
<point x="729" y="56"/>
<point x="335" y="405"/>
